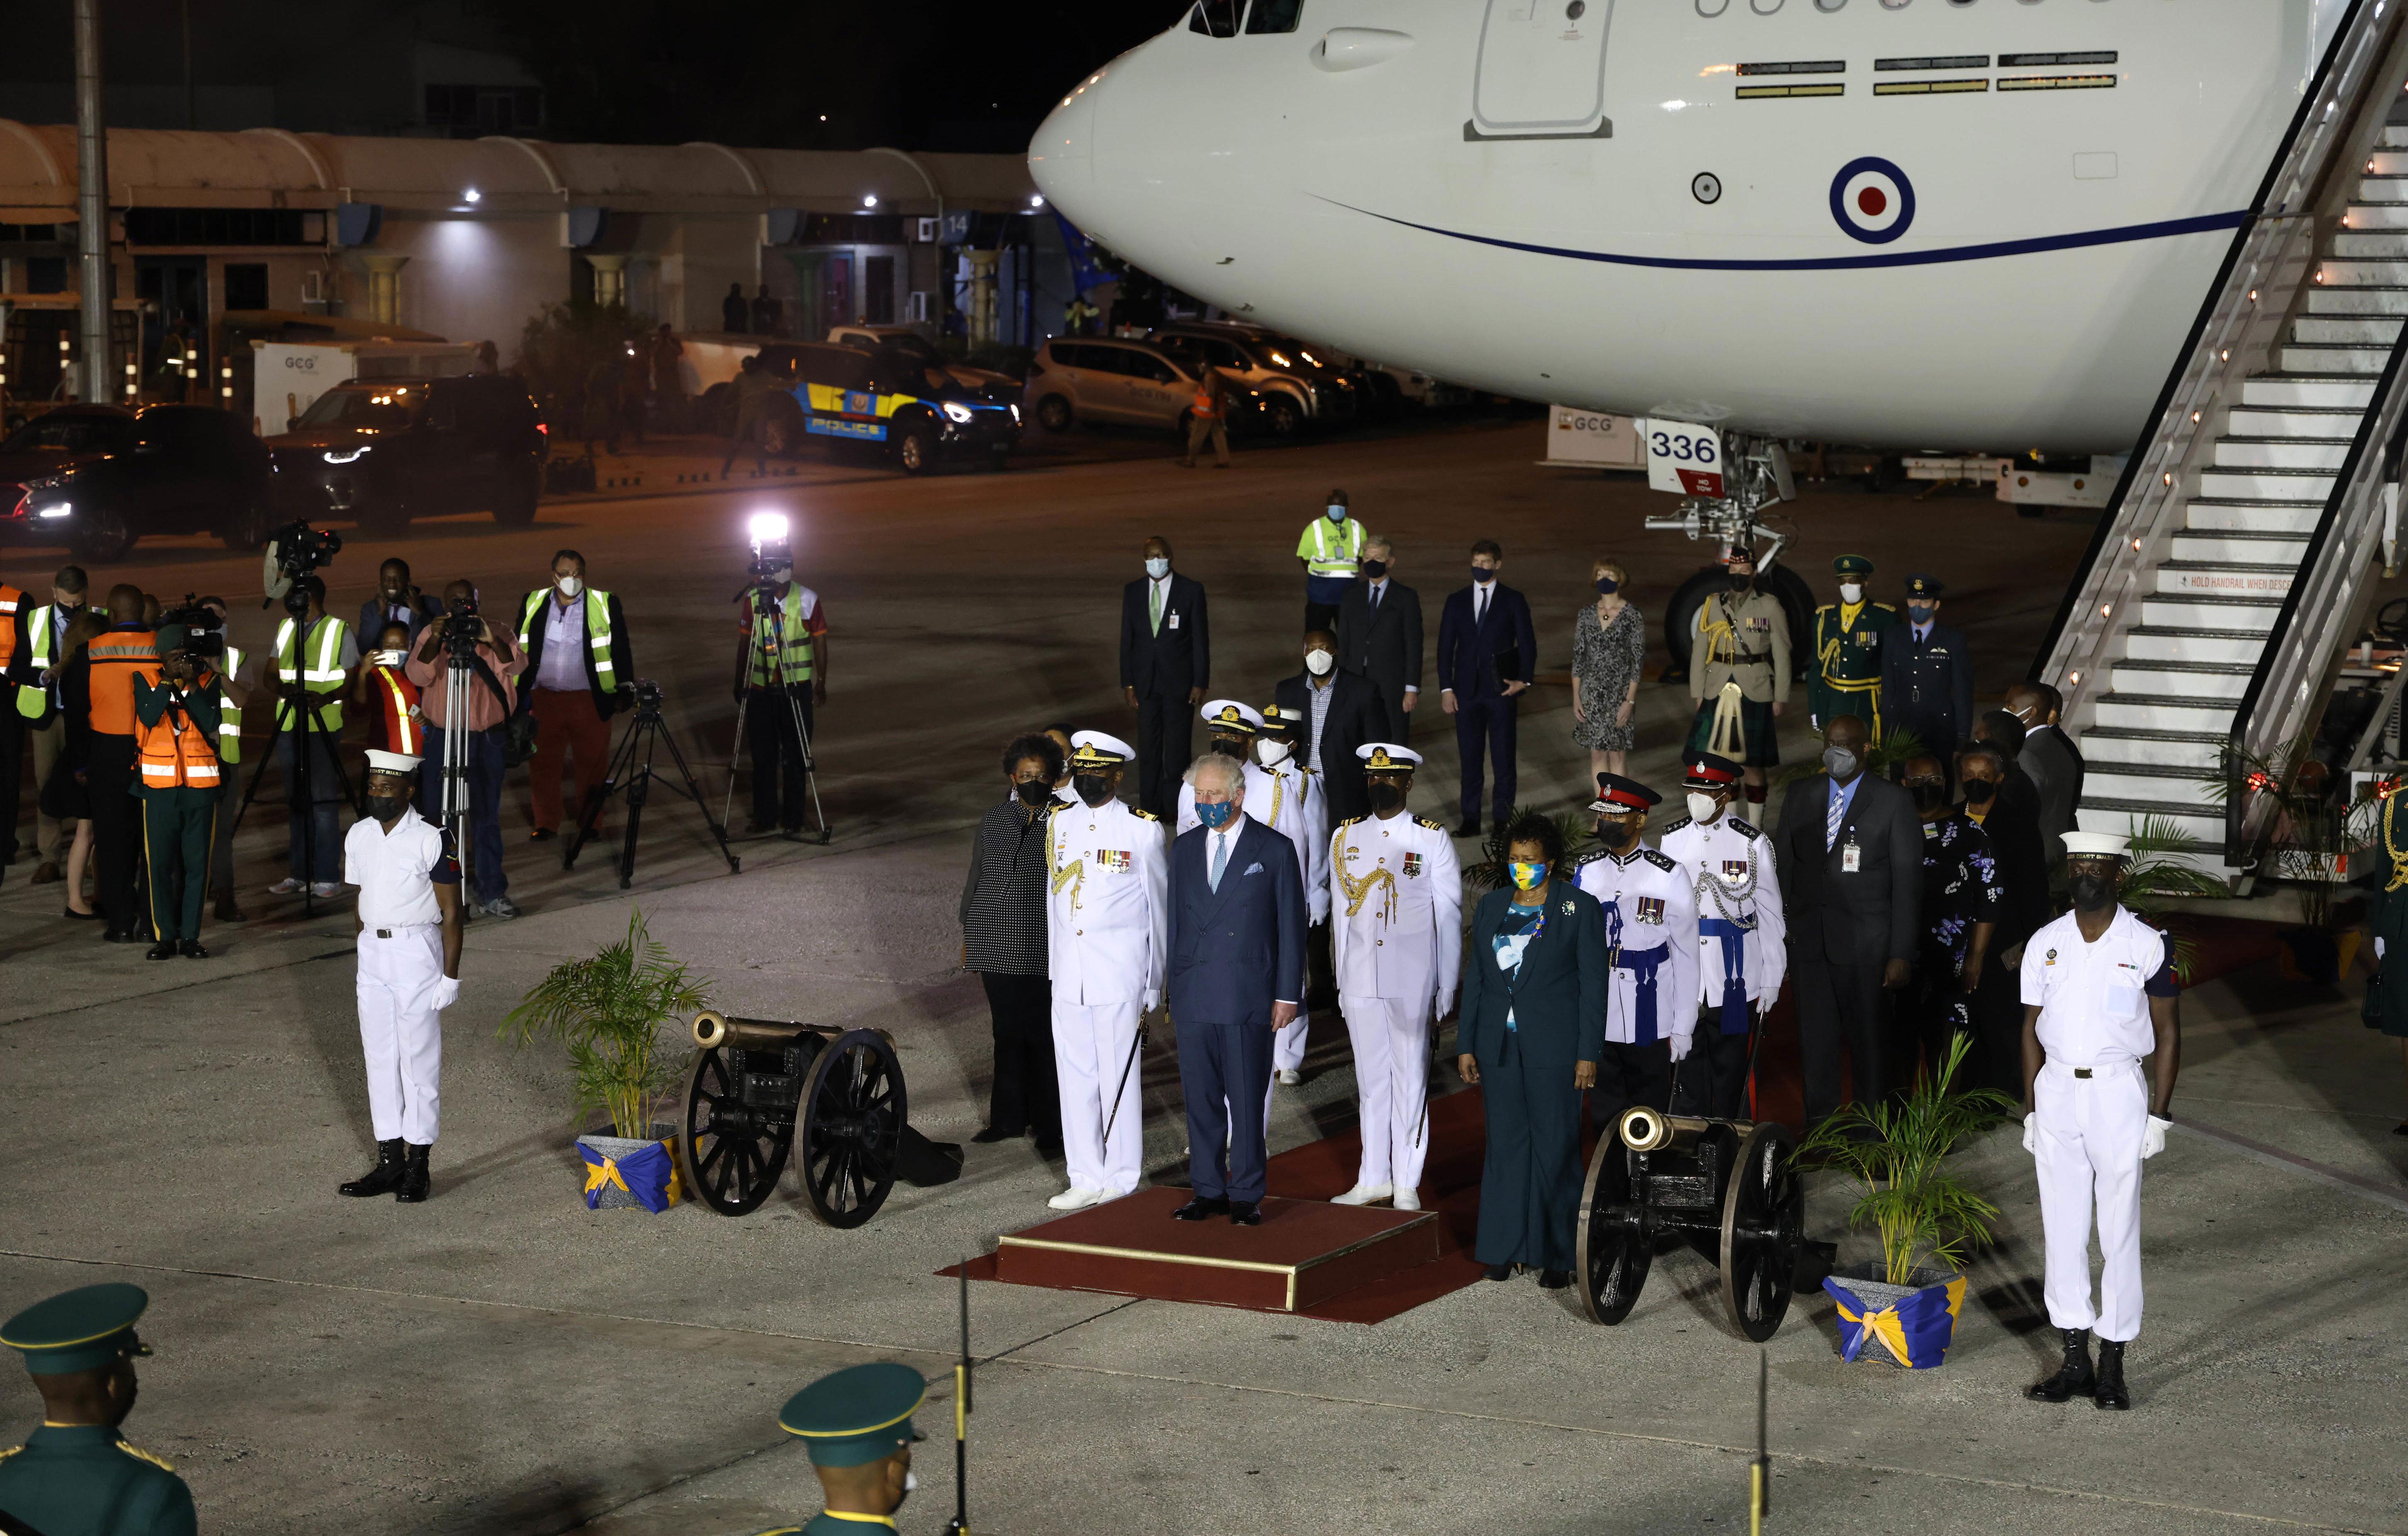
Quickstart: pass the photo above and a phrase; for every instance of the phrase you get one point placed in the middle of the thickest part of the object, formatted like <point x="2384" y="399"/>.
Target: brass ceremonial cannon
<point x="1731" y="1187"/>
<point x="836" y="1098"/>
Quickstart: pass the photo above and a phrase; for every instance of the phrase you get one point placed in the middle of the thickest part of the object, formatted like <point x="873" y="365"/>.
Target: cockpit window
<point x="1214" y="18"/>
<point x="1274" y="15"/>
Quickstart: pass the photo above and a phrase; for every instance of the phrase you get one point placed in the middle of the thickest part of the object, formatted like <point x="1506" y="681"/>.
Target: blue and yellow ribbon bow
<point x="649" y="1173"/>
<point x="1915" y="1330"/>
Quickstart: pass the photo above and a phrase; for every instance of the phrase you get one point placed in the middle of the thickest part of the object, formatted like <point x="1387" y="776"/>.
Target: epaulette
<point x="1742" y="828"/>
<point x="1351" y="820"/>
<point x="1886" y="607"/>
<point x="1424" y="820"/>
<point x="1148" y="815"/>
<point x="9" y="1452"/>
<point x="1590" y="857"/>
<point x="1827" y="608"/>
<point x="1675" y="827"/>
<point x="1661" y="861"/>
<point x="140" y="1455"/>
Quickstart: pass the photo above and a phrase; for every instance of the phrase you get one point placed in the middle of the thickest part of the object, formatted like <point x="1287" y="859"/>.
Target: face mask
<point x="1033" y="792"/>
<point x="1617" y="832"/>
<point x="1608" y="584"/>
<point x="1840" y="762"/>
<point x="1483" y="574"/>
<point x="910" y="1486"/>
<point x="1529" y="877"/>
<point x="782" y="576"/>
<point x="1336" y="514"/>
<point x="1703" y="808"/>
<point x="1385" y="796"/>
<point x="388" y="808"/>
<point x="1852" y="593"/>
<point x="1092" y="788"/>
<point x="1237" y="747"/>
<point x="2091" y="892"/>
<point x="1928" y="797"/>
<point x="1273" y="752"/>
<point x="570" y="585"/>
<point x="69" y="605"/>
<point x="1375" y="568"/>
<point x="1157" y="567"/>
<point x="1740" y="581"/>
<point x="1978" y="791"/>
<point x="1919" y="612"/>
<point x="1215" y="815"/>
<point x="1319" y="662"/>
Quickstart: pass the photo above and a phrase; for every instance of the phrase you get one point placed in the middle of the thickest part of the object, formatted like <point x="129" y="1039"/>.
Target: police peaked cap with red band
<point x="1616" y="792"/>
<point x="1707" y="771"/>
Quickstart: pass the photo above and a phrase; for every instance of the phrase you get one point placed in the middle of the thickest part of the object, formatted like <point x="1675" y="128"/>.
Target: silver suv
<point x="1105" y="379"/>
<point x="1295" y="385"/>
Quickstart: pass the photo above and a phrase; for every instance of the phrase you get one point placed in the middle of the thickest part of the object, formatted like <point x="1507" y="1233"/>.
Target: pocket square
<point x="1254" y="869"/>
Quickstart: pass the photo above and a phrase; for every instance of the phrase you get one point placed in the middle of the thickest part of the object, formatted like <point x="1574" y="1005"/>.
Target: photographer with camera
<point x="97" y="697"/>
<point x="781" y="666"/>
<point x="579" y="673"/>
<point x="233" y="694"/>
<point x="315" y="657"/>
<point x="464" y="646"/>
<point x="177" y="706"/>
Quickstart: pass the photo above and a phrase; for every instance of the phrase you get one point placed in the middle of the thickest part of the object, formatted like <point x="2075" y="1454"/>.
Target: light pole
<point x="92" y="203"/>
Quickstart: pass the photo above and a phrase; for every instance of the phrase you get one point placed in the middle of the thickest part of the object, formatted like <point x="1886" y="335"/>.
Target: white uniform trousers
<point x="2089" y="1154"/>
<point x="1091" y="1056"/>
<point x="1287" y="1045"/>
<point x="1392" y="1051"/>
<point x="401" y="1032"/>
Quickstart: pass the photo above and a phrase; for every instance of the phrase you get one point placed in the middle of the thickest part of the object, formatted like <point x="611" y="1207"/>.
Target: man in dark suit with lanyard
<point x="1850" y="854"/>
<point x="1485" y="652"/>
<point x="1166" y="661"/>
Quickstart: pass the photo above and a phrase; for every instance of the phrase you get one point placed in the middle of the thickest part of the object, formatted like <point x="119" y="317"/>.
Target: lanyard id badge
<point x="1851" y="856"/>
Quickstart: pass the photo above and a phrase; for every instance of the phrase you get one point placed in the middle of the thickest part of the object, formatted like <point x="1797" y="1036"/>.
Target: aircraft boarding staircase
<point x="2234" y="566"/>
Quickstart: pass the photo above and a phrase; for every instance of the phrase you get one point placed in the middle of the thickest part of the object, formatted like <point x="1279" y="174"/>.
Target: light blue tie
<point x="1831" y="823"/>
<point x="1220" y="857"/>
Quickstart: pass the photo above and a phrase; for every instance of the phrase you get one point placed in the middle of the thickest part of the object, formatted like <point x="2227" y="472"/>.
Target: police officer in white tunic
<point x="1230" y="730"/>
<point x="1396" y="943"/>
<point x="2099" y="995"/>
<point x="1742" y="954"/>
<point x="1296" y="810"/>
<point x="1651" y="924"/>
<point x="1105" y="926"/>
<point x="409" y="929"/>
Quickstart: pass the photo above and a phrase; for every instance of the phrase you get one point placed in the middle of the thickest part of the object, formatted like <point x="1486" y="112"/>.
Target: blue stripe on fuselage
<point x="2202" y="223"/>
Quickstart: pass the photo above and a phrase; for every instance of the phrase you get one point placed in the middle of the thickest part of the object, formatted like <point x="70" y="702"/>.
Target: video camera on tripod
<point x="294" y="552"/>
<point x="203" y="631"/>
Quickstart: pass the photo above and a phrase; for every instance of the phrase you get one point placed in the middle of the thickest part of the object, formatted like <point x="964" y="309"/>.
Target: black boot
<point x="385" y="1177"/>
<point x="2110" y="1392"/>
<point x="415" y="1181"/>
<point x="2074" y="1378"/>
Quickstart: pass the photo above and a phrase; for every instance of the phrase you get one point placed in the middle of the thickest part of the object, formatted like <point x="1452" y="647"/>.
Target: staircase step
<point x="2379" y="188"/>
<point x="2373" y="216"/>
<point x="2312" y="357"/>
<point x="2202" y="823"/>
<point x="2200" y="679"/>
<point x="2369" y="245"/>
<point x="2158" y="642"/>
<point x="2182" y="713"/>
<point x="2335" y="297"/>
<point x="2294" y="421"/>
<point x="2374" y="270"/>
<point x="2385" y="161"/>
<point x="2394" y="134"/>
<point x="2279" y="389"/>
<point x="2238" y="453"/>
<point x="2253" y="514"/>
<point x="2147" y="784"/>
<point x="2345" y="330"/>
<point x="2205" y="610"/>
<point x="2254" y="581"/>
<point x="2195" y="750"/>
<point x="2266" y="485"/>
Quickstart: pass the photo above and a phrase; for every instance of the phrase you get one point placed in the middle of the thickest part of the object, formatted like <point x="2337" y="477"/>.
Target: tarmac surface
<point x="502" y="1360"/>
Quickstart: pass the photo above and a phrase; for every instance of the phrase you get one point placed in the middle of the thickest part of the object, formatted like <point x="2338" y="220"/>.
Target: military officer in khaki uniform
<point x="1739" y="673"/>
<point x="1396" y="942"/>
<point x="1847" y="644"/>
<point x="75" y="1475"/>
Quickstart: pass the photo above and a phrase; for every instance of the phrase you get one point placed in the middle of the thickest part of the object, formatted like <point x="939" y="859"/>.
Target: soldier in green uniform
<point x="1739" y="673"/>
<point x="75" y="1475"/>
<point x="857" y="1425"/>
<point x="1848" y="634"/>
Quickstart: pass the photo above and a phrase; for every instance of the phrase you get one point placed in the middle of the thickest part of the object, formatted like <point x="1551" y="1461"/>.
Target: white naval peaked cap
<point x="1387" y="754"/>
<point x="391" y="762"/>
<point x="1098" y="748"/>
<point x="2094" y="844"/>
<point x="1229" y="714"/>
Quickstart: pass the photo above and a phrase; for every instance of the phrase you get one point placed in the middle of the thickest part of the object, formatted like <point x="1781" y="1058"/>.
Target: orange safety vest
<point x="116" y="658"/>
<point x="176" y="751"/>
<point x="405" y="728"/>
<point x="1206" y="408"/>
<point x="12" y="602"/>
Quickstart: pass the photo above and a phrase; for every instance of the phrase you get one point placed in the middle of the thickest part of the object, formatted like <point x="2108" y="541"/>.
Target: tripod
<point x="634" y="776"/>
<point x="300" y="793"/>
<point x="768" y="609"/>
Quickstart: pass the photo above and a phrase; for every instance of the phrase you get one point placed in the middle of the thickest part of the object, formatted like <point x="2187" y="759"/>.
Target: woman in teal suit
<point x="1532" y="1028"/>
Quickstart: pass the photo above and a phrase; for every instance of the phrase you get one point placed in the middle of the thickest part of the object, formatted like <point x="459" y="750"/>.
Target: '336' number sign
<point x="1683" y="459"/>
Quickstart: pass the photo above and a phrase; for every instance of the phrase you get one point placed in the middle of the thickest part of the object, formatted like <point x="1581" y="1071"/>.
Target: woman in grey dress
<point x="1609" y="650"/>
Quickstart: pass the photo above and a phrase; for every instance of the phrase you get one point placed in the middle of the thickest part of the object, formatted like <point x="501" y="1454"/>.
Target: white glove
<point x="447" y="992"/>
<point x="1147" y="1002"/>
<point x="2154" y="1141"/>
<point x="1681" y="1045"/>
<point x="2031" y="1133"/>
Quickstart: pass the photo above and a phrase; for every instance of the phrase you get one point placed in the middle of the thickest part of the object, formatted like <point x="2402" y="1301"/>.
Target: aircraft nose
<point x="1062" y="155"/>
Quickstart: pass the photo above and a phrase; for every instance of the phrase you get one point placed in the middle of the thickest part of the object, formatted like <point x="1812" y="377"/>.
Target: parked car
<point x="1136" y="383"/>
<point x="890" y="398"/>
<point x="98" y="477"/>
<point x="1297" y="386"/>
<point x="1001" y="388"/>
<point x="382" y="452"/>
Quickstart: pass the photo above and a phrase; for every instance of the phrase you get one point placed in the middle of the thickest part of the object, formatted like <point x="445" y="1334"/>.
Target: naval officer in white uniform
<point x="1105" y="927"/>
<point x="1396" y="943"/>
<point x="409" y="929"/>
<point x="1650" y="922"/>
<point x="1741" y="951"/>
<point x="2100" y="996"/>
<point x="1295" y="809"/>
<point x="1230" y="730"/>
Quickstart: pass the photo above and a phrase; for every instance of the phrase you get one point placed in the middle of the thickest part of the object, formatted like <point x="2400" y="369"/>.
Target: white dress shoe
<point x="1364" y="1194"/>
<point x="1075" y="1199"/>
<point x="1408" y="1200"/>
<point x="1289" y="1077"/>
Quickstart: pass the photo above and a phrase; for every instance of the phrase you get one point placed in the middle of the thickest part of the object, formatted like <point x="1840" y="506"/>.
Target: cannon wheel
<point x="1764" y="1224"/>
<point x="730" y="1155"/>
<point x="850" y="1130"/>
<point x="1616" y="1246"/>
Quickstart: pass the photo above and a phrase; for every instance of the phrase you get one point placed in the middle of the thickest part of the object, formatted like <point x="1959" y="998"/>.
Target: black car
<point x="382" y="452"/>
<point x="98" y="478"/>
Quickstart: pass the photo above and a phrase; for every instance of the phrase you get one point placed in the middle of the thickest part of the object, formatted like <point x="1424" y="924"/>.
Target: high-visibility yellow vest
<point x="790" y="644"/>
<point x="32" y="697"/>
<point x="320" y="671"/>
<point x="597" y="632"/>
<point x="1327" y="552"/>
<point x="229" y="713"/>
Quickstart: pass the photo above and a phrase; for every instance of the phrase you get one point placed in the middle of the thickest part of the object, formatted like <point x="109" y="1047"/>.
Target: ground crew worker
<point x="579" y="672"/>
<point x="2099" y="994"/>
<point x="39" y="662"/>
<point x="856" y="1423"/>
<point x="1296" y="810"/>
<point x="1396" y="942"/>
<point x="1739" y="673"/>
<point x="1742" y="949"/>
<point x="1847" y="644"/>
<point x="76" y="1475"/>
<point x="16" y="611"/>
<point x="233" y="693"/>
<point x="1207" y="417"/>
<point x="1079" y="316"/>
<point x="1331" y="548"/>
<point x="387" y="696"/>
<point x="781" y="669"/>
<point x="1106" y="922"/>
<point x="409" y="935"/>
<point x="1651" y="930"/>
<point x="96" y="694"/>
<point x="755" y="385"/>
<point x="176" y="708"/>
<point x="315" y="657"/>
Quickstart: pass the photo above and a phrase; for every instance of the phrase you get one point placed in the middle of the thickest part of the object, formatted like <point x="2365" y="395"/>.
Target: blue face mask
<point x="1338" y="514"/>
<point x="1919" y="612"/>
<point x="1157" y="567"/>
<point x="1214" y="814"/>
<point x="1608" y="584"/>
<point x="1483" y="575"/>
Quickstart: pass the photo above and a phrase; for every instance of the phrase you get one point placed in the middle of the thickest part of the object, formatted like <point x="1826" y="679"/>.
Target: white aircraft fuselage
<point x="1984" y="225"/>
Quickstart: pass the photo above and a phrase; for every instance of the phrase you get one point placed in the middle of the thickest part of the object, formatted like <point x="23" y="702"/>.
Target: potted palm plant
<point x="2299" y="821"/>
<point x="1926" y="1216"/>
<point x="607" y="1010"/>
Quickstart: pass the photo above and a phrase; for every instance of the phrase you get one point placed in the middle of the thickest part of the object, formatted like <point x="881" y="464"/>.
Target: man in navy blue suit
<point x="1485" y="654"/>
<point x="1236" y="942"/>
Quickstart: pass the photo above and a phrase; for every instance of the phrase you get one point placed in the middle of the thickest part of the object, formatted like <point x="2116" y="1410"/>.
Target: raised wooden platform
<point x="1304" y="1254"/>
